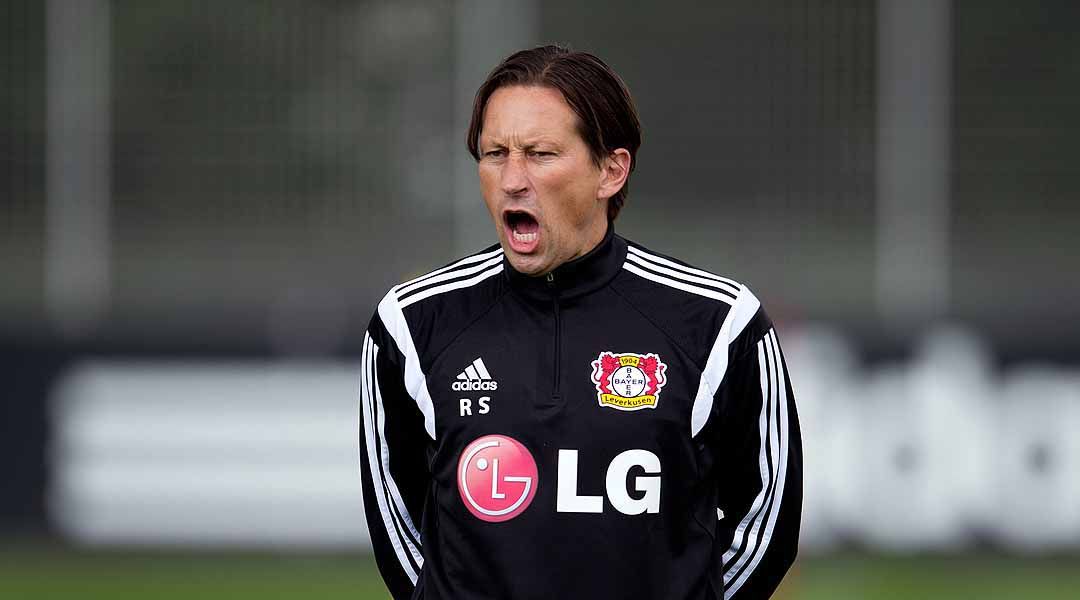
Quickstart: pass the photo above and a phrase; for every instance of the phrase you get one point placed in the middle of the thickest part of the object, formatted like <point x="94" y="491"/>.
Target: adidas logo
<point x="474" y="377"/>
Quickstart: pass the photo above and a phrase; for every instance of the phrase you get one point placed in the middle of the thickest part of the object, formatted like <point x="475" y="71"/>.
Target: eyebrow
<point x="528" y="146"/>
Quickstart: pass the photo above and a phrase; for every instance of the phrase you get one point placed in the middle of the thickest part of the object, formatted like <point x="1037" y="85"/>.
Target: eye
<point x="542" y="153"/>
<point x="495" y="153"/>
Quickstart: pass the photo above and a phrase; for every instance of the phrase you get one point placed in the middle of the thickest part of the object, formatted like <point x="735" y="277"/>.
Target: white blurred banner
<point x="248" y="454"/>
<point x="938" y="453"/>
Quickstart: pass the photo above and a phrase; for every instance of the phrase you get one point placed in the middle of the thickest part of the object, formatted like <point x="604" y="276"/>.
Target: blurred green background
<point x="201" y="202"/>
<point x="54" y="573"/>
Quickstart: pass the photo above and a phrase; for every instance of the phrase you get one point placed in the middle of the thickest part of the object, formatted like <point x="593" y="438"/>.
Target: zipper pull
<point x="550" y="278"/>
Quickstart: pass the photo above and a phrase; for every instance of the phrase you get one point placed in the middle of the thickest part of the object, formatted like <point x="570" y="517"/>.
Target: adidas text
<point x="474" y="385"/>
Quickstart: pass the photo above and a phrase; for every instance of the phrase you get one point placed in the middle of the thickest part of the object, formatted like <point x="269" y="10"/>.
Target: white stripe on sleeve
<point x="764" y="467"/>
<point x="367" y="386"/>
<point x="448" y="276"/>
<point x="427" y="276"/>
<point x="734" y="285"/>
<point x="678" y="284"/>
<point x="780" y="393"/>
<point x="744" y="309"/>
<point x="687" y="277"/>
<point x="415" y="381"/>
<point x="391" y="485"/>
<point x="456" y="285"/>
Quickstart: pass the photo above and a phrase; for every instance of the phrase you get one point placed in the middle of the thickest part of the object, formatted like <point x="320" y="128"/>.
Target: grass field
<point x="39" y="572"/>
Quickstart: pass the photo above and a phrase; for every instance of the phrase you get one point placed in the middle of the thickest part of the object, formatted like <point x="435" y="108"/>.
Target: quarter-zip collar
<point x="583" y="275"/>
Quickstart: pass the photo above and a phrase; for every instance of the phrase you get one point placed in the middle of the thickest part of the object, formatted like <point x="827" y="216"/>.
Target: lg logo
<point x="567" y="498"/>
<point x="497" y="480"/>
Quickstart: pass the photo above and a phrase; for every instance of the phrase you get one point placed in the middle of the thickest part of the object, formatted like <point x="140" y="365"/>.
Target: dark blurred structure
<point x="245" y="179"/>
<point x="264" y="158"/>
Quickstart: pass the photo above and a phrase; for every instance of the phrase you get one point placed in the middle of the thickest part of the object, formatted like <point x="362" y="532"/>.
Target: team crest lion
<point x="627" y="381"/>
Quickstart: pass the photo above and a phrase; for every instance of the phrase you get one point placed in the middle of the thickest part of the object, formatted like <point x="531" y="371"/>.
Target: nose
<point x="514" y="177"/>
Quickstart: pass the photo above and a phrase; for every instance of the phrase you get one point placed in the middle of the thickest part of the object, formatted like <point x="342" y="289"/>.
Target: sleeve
<point x="394" y="470"/>
<point x="759" y="480"/>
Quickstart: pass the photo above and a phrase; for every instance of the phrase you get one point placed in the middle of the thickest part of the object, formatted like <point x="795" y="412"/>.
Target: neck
<point x="575" y="277"/>
<point x="593" y="239"/>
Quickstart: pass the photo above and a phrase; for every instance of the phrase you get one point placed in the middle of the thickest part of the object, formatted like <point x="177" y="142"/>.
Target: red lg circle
<point x="496" y="478"/>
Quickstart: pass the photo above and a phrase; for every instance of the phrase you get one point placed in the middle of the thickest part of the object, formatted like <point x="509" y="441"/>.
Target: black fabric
<point x="406" y="460"/>
<point x="539" y="340"/>
<point x="738" y="404"/>
<point x="583" y="275"/>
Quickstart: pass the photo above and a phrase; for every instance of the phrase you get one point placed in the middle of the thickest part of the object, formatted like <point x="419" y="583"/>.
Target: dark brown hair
<point x="607" y="119"/>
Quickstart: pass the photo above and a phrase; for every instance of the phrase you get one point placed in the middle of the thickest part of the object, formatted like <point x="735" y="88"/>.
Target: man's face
<point x="539" y="181"/>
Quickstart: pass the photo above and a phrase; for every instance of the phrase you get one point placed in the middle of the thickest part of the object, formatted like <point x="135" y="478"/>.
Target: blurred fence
<point x="207" y="171"/>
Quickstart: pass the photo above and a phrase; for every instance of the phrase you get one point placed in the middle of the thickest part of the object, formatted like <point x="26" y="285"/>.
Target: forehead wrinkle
<point x="545" y="121"/>
<point x="521" y="131"/>
<point x="525" y="142"/>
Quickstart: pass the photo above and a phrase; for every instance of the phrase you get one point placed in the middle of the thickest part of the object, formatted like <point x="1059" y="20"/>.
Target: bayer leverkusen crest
<point x="627" y="381"/>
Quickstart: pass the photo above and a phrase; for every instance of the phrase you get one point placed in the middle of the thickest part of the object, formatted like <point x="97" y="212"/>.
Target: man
<point x="568" y="414"/>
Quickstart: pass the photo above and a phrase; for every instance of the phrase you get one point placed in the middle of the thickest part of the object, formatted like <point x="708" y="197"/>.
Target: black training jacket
<point x="622" y="428"/>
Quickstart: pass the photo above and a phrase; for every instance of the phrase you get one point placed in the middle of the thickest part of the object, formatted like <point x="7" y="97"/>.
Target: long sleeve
<point x="393" y="464"/>
<point x="760" y="476"/>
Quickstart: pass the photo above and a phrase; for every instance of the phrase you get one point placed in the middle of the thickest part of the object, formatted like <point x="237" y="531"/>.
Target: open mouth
<point x="523" y="230"/>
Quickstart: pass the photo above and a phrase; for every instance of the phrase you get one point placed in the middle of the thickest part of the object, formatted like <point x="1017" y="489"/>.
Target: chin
<point x="528" y="264"/>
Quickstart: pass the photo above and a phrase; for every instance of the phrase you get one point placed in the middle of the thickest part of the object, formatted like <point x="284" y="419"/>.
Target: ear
<point x="613" y="173"/>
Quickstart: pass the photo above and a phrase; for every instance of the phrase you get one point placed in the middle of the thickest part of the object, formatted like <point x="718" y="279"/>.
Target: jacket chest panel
<point x="598" y="381"/>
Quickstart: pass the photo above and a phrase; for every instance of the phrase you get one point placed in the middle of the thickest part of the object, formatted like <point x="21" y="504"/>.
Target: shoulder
<point x="668" y="273"/>
<point x="415" y="310"/>
<point x="689" y="302"/>
<point x="461" y="274"/>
